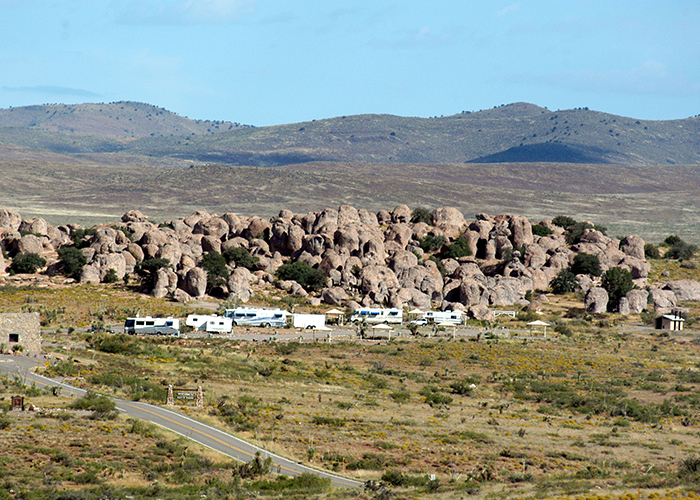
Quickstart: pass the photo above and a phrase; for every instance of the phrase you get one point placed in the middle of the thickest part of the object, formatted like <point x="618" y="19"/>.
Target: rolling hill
<point x="90" y="163"/>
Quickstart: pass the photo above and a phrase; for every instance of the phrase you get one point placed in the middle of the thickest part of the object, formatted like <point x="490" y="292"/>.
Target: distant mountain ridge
<point x="518" y="132"/>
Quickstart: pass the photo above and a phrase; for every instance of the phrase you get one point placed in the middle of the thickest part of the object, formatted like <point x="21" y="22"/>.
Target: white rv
<point x="437" y="317"/>
<point x="152" y="326"/>
<point x="309" y="321"/>
<point x="253" y="316"/>
<point x="377" y="315"/>
<point x="210" y="323"/>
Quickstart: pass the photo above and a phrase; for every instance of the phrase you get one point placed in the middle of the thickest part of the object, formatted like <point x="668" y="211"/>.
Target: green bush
<point x="110" y="276"/>
<point x="430" y="243"/>
<point x="539" y="230"/>
<point x="71" y="261"/>
<point x="27" y="263"/>
<point x="422" y="214"/>
<point x="617" y="282"/>
<point x="585" y="263"/>
<point x="563" y="221"/>
<point x="81" y="237"/>
<point x="574" y="233"/>
<point x="241" y="257"/>
<point x="310" y="278"/>
<point x="101" y="406"/>
<point x="215" y="265"/>
<point x="564" y="282"/>
<point x="651" y="251"/>
<point x="460" y="248"/>
<point x="148" y="270"/>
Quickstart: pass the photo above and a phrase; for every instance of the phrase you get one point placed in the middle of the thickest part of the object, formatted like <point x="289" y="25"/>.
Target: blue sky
<point x="268" y="62"/>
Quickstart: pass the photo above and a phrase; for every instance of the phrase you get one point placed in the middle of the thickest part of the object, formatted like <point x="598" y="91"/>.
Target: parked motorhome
<point x="210" y="323"/>
<point x="309" y="321"/>
<point x="377" y="315"/>
<point x="252" y="316"/>
<point x="437" y="317"/>
<point x="152" y="326"/>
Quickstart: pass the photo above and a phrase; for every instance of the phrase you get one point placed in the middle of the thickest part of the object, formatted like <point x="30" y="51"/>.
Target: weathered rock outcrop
<point x="369" y="258"/>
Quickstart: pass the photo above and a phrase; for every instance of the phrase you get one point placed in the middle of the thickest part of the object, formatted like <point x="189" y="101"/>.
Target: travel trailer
<point x="210" y="323"/>
<point x="308" y="321"/>
<point x="252" y="316"/>
<point x="377" y="315"/>
<point x="152" y="326"/>
<point x="437" y="317"/>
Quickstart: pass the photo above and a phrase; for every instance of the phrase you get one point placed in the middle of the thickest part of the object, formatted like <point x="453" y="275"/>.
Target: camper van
<point x="210" y="323"/>
<point x="437" y="317"/>
<point x="257" y="316"/>
<point x="377" y="315"/>
<point x="152" y="326"/>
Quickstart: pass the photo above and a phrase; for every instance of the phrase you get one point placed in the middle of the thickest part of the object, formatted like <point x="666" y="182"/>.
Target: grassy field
<point x="598" y="410"/>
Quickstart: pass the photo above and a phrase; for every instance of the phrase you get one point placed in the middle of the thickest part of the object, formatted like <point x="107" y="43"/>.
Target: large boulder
<point x="335" y="296"/>
<point x="377" y="281"/>
<point x="239" y="284"/>
<point x="134" y="216"/>
<point x="9" y="219"/>
<point x="596" y="300"/>
<point x="449" y="220"/>
<point x="684" y="290"/>
<point x="664" y="300"/>
<point x="195" y="282"/>
<point x="633" y="246"/>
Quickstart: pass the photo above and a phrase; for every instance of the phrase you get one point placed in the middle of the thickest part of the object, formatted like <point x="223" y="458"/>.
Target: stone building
<point x="20" y="329"/>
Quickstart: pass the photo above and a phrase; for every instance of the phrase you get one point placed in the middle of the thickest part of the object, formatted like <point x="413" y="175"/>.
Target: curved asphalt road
<point x="176" y="422"/>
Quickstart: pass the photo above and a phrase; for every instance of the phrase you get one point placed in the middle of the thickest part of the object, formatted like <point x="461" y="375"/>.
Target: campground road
<point x="178" y="423"/>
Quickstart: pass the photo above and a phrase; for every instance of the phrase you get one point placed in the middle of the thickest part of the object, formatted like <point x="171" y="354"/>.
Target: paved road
<point x="176" y="422"/>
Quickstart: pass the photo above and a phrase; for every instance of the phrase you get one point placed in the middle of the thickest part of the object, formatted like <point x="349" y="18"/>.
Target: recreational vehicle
<point x="308" y="321"/>
<point x="257" y="316"/>
<point x="152" y="326"/>
<point x="377" y="315"/>
<point x="437" y="317"/>
<point x="210" y="323"/>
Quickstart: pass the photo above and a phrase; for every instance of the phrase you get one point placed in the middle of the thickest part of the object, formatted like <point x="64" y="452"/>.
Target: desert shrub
<point x="433" y="397"/>
<point x="564" y="282"/>
<point x="329" y="421"/>
<point x="586" y="263"/>
<point x="241" y="257"/>
<point x="256" y="467"/>
<point x="101" y="406"/>
<point x="71" y="261"/>
<point x="116" y="344"/>
<point x="148" y="270"/>
<point x="303" y="484"/>
<point x="539" y="230"/>
<point x="431" y="243"/>
<point x="462" y="387"/>
<point x="651" y="251"/>
<point x="617" y="282"/>
<point x="422" y="214"/>
<point x="672" y="240"/>
<point x="27" y="263"/>
<point x="575" y="232"/>
<point x="394" y="477"/>
<point x="215" y="265"/>
<point x="310" y="278"/>
<point x="681" y="250"/>
<point x="563" y="221"/>
<point x="563" y="330"/>
<point x="110" y="276"/>
<point x="81" y="237"/>
<point x="400" y="396"/>
<point x="460" y="248"/>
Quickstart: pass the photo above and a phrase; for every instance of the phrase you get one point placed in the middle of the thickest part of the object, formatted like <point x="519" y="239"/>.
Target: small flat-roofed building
<point x="20" y="329"/>
<point x="669" y="322"/>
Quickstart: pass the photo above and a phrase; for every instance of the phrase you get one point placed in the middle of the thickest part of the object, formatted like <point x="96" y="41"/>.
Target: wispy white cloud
<point x="185" y="12"/>
<point x="52" y="90"/>
<point x="507" y="10"/>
